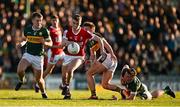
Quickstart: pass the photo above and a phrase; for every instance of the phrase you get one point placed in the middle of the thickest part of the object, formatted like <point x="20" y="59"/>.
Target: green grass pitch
<point x="79" y="98"/>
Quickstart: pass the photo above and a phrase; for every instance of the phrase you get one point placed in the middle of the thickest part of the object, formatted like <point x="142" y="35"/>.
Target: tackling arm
<point x="109" y="48"/>
<point x="100" y="42"/>
<point x="21" y="43"/>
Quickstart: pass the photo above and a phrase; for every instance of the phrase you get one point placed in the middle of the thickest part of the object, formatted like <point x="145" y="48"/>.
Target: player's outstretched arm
<point x="21" y="43"/>
<point x="101" y="44"/>
<point x="48" y="43"/>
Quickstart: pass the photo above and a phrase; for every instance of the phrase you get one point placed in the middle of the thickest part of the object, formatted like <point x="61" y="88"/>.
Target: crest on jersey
<point x="40" y="33"/>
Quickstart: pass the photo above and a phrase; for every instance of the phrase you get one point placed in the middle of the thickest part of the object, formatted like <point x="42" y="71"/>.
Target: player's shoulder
<point x="28" y="29"/>
<point x="44" y="29"/>
<point x="85" y="31"/>
<point x="50" y="28"/>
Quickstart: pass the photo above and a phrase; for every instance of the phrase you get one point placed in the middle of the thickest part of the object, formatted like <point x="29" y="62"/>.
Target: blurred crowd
<point x="143" y="33"/>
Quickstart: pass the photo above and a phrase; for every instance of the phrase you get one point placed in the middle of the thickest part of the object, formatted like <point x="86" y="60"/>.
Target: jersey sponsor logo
<point x="81" y="38"/>
<point x="34" y="39"/>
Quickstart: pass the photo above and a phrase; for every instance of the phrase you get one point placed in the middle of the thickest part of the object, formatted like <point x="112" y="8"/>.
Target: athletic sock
<point x="93" y="93"/>
<point x="22" y="80"/>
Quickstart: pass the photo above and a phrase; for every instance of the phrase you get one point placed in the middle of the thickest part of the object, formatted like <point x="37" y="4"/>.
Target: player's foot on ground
<point x="67" y="94"/>
<point x="36" y="88"/>
<point x="63" y="88"/>
<point x="93" y="97"/>
<point x="18" y="86"/>
<point x="20" y="83"/>
<point x="170" y="92"/>
<point x="67" y="97"/>
<point x="44" y="95"/>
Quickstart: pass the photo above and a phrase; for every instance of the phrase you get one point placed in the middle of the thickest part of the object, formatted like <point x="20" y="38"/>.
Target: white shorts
<point x="36" y="61"/>
<point x="68" y="59"/>
<point x="54" y="59"/>
<point x="106" y="60"/>
<point x="147" y="93"/>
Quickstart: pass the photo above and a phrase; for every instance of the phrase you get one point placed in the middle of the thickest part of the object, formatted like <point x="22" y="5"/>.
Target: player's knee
<point x="89" y="73"/>
<point x="39" y="80"/>
<point x="69" y="69"/>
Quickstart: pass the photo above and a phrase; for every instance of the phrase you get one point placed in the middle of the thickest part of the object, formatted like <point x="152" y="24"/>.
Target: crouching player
<point x="134" y="87"/>
<point x="105" y="64"/>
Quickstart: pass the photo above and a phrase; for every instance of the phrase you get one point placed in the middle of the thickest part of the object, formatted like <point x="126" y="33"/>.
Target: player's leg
<point x="108" y="74"/>
<point x="64" y="73"/>
<point x="40" y="81"/>
<point x="37" y="64"/>
<point x="145" y="94"/>
<point x="72" y="66"/>
<point x="22" y="66"/>
<point x="157" y="93"/>
<point x="167" y="90"/>
<point x="97" y="67"/>
<point x="48" y="70"/>
<point x="106" y="79"/>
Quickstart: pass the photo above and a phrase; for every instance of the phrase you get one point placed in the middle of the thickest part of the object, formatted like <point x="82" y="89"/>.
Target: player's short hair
<point x="54" y="16"/>
<point x="36" y="14"/>
<point x="89" y="24"/>
<point x="130" y="71"/>
<point x="124" y="71"/>
<point x="77" y="17"/>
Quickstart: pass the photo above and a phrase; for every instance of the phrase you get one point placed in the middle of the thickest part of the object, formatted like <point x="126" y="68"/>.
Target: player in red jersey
<point x="54" y="54"/>
<point x="72" y="62"/>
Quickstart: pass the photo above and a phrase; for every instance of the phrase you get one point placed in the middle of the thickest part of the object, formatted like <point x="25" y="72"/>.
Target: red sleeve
<point x="89" y="35"/>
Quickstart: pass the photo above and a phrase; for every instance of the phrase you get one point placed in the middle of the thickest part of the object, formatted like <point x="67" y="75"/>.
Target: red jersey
<point x="81" y="38"/>
<point x="56" y="37"/>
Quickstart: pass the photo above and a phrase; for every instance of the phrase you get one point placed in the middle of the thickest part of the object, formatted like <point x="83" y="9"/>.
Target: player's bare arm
<point x="109" y="49"/>
<point x="131" y="97"/>
<point x="64" y="43"/>
<point x="98" y="39"/>
<point x="92" y="54"/>
<point x="46" y="42"/>
<point x="21" y="43"/>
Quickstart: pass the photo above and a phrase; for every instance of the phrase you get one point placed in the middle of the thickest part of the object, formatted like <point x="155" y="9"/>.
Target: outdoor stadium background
<point x="143" y="33"/>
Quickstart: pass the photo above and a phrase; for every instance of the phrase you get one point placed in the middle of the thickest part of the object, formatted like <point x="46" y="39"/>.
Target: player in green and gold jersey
<point x="134" y="87"/>
<point x="36" y="37"/>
